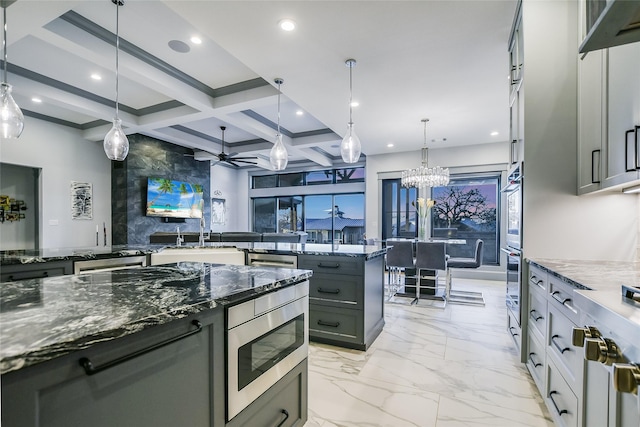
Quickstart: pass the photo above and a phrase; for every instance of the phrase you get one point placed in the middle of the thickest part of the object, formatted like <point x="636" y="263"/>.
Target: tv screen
<point x="175" y="199"/>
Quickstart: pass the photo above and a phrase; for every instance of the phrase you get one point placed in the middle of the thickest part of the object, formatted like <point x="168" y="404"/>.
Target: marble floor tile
<point x="429" y="367"/>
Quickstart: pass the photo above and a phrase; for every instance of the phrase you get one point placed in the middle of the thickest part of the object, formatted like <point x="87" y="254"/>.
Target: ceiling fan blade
<point x="231" y="154"/>
<point x="244" y="161"/>
<point x="214" y="163"/>
<point x="245" y="157"/>
<point x="231" y="163"/>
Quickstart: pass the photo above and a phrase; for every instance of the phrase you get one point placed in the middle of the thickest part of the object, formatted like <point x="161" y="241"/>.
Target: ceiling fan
<point x="229" y="158"/>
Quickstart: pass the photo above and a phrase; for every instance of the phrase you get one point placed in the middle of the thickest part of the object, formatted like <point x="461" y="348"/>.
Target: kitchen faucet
<point x="179" y="239"/>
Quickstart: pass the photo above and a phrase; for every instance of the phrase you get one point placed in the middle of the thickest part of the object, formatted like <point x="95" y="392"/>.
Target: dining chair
<point x="467" y="297"/>
<point x="399" y="257"/>
<point x="432" y="257"/>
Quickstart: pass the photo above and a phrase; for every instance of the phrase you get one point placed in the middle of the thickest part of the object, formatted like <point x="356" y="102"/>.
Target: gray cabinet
<point x="283" y="405"/>
<point x="181" y="383"/>
<point x="346" y="304"/>
<point x="516" y="90"/>
<point x="36" y="270"/>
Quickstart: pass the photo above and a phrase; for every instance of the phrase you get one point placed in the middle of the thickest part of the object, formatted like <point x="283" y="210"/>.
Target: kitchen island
<point x="132" y="347"/>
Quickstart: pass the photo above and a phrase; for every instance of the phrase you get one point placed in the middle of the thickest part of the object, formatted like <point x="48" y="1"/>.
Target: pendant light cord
<point x="425" y="149"/>
<point x="351" y="63"/>
<point x="4" y="43"/>
<point x="118" y="3"/>
<point x="279" y="83"/>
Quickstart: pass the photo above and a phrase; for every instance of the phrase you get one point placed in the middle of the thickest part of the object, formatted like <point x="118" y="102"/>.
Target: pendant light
<point x="11" y="118"/>
<point x="278" y="155"/>
<point x="424" y="176"/>
<point x="116" y="144"/>
<point x="350" y="148"/>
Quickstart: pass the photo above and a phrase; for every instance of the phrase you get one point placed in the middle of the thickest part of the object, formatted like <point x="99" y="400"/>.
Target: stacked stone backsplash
<point x="150" y="157"/>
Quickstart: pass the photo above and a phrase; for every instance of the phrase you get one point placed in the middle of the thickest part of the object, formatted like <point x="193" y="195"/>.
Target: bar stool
<point x="432" y="256"/>
<point x="399" y="258"/>
<point x="467" y="297"/>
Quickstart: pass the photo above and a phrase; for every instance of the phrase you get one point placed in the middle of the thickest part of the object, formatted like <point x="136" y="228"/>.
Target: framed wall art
<point x="218" y="212"/>
<point x="81" y="200"/>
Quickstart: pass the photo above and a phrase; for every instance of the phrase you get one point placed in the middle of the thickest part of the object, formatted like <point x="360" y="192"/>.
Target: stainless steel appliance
<point x="513" y="190"/>
<point x="514" y="283"/>
<point x="266" y="338"/>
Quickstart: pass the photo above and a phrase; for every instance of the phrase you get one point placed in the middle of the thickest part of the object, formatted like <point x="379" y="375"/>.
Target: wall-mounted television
<point x="174" y="199"/>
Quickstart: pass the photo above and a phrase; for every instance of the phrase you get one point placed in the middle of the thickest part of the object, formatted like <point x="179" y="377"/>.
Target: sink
<point x="212" y="255"/>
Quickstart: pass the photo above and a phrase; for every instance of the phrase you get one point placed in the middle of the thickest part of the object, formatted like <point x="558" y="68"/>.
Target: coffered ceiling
<point x="445" y="60"/>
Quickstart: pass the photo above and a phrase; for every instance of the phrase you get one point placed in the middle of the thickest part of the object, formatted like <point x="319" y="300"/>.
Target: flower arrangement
<point x="423" y="206"/>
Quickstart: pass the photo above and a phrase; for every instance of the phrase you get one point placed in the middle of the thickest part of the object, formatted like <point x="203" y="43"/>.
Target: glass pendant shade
<point x="116" y="144"/>
<point x="350" y="148"/>
<point x="11" y="118"/>
<point x="278" y="155"/>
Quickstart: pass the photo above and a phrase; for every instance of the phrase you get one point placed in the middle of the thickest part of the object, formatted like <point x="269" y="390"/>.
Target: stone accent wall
<point x="150" y="157"/>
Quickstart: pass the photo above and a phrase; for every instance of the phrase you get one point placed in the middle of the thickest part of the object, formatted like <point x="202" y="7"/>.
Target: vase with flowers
<point x="423" y="206"/>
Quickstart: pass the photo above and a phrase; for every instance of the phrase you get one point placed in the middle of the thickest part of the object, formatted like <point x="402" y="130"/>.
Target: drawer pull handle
<point x="534" y="280"/>
<point x="332" y="324"/>
<point x="534" y="317"/>
<point x="560" y="412"/>
<point x="286" y="417"/>
<point x="328" y="291"/>
<point x="91" y="370"/>
<point x="533" y="362"/>
<point x="564" y="302"/>
<point x="560" y="348"/>
<point x="512" y="333"/>
<point x="322" y="265"/>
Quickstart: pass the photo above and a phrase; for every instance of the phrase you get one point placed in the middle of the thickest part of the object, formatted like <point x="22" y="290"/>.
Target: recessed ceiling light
<point x="390" y="145"/>
<point x="495" y="133"/>
<point x="36" y="100"/>
<point x="287" y="25"/>
<point x="95" y="76"/>
<point x="196" y="40"/>
<point x="355" y="104"/>
<point x="299" y="113"/>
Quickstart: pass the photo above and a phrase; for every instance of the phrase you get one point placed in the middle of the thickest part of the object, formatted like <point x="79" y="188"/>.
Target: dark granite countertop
<point x="366" y="251"/>
<point x="28" y="256"/>
<point x="41" y="319"/>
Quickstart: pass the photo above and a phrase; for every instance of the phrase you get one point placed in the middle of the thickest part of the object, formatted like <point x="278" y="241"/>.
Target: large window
<point x="468" y="208"/>
<point x="398" y="214"/>
<point x="329" y="176"/>
<point x="325" y="217"/>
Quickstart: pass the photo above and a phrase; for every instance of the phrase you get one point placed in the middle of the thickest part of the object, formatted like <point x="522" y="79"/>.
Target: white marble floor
<point x="429" y="367"/>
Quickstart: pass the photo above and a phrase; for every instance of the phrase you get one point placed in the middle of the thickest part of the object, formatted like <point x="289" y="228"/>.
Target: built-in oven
<point x="514" y="282"/>
<point x="266" y="338"/>
<point x="513" y="191"/>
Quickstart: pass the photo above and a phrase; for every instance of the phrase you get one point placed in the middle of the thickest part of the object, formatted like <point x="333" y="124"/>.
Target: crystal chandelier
<point x="424" y="176"/>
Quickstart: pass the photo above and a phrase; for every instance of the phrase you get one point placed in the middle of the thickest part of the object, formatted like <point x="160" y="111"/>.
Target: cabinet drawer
<point x="327" y="287"/>
<point x="284" y="404"/>
<point x="561" y="297"/>
<point x="538" y="313"/>
<point x="514" y="330"/>
<point x="536" y="359"/>
<point x="331" y="264"/>
<point x="38" y="270"/>
<point x="335" y="323"/>
<point x="562" y="403"/>
<point x="560" y="346"/>
<point x="537" y="278"/>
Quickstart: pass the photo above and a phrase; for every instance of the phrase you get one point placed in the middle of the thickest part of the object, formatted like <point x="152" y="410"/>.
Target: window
<point x="398" y="214"/>
<point x="329" y="176"/>
<point x="326" y="216"/>
<point x="468" y="209"/>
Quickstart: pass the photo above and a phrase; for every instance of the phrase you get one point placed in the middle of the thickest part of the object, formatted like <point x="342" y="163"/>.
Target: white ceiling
<point x="445" y="60"/>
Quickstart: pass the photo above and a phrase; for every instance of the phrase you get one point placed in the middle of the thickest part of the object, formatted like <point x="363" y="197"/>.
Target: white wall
<point x="557" y="223"/>
<point x="64" y="156"/>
